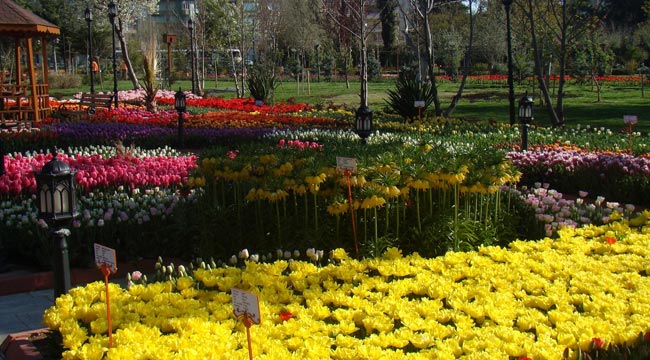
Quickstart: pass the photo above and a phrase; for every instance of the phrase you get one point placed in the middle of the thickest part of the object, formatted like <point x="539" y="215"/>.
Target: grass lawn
<point x="479" y="101"/>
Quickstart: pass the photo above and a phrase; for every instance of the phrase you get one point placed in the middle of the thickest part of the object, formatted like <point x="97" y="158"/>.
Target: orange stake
<point x="106" y="271"/>
<point x="354" y="225"/>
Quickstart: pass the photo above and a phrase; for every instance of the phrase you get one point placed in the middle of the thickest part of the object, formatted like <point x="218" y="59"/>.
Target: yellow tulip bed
<point x="537" y="299"/>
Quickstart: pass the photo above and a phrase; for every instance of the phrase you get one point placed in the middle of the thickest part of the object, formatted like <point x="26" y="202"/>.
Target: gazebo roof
<point x="18" y="21"/>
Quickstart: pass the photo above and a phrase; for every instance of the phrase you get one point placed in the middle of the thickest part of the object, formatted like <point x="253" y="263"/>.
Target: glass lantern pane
<point x="45" y="206"/>
<point x="61" y="200"/>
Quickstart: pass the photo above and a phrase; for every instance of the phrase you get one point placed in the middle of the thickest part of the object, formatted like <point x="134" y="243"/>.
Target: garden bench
<point x="86" y="106"/>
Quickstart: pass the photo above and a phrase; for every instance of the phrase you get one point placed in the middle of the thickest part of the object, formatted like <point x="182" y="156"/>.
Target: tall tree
<point x="418" y="14"/>
<point x="388" y="16"/>
<point x="563" y="22"/>
<point x="128" y="14"/>
<point x="352" y="17"/>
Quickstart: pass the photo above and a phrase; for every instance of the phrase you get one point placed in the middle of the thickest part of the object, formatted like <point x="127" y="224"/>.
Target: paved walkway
<point x="24" y="311"/>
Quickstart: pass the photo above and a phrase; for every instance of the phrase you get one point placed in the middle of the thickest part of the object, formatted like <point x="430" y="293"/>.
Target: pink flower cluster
<point x="556" y="212"/>
<point x="300" y="145"/>
<point x="572" y="160"/>
<point x="96" y="171"/>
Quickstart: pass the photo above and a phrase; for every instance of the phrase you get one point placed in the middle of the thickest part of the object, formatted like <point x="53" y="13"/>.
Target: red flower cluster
<point x="598" y="343"/>
<point x="247" y="105"/>
<point x="285" y="315"/>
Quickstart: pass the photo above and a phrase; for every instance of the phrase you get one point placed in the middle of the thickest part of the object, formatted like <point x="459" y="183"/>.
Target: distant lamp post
<point x="190" y="27"/>
<point x="179" y="104"/>
<point x="363" y="123"/>
<point x="88" y="14"/>
<point x="525" y="118"/>
<point x="511" y="86"/>
<point x="112" y="14"/>
<point x="57" y="206"/>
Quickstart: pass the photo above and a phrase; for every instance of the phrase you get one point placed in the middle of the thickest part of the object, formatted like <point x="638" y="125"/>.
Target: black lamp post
<point x="525" y="117"/>
<point x="179" y="104"/>
<point x="88" y="14"/>
<point x="190" y="26"/>
<point x="112" y="14"/>
<point x="511" y="87"/>
<point x="363" y="123"/>
<point x="57" y="206"/>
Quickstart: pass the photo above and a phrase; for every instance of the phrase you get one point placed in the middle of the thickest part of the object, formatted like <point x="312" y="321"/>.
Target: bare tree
<point x="565" y="22"/>
<point x="351" y="16"/>
<point x="419" y="14"/>
<point x="128" y="12"/>
<point x="466" y="65"/>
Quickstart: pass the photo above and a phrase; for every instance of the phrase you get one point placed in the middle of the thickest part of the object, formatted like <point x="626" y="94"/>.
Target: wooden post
<point x="33" y="95"/>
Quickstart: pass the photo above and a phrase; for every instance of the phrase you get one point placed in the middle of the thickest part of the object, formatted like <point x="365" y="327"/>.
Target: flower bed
<point x="537" y="299"/>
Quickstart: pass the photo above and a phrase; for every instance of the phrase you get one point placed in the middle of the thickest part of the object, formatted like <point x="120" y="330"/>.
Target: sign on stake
<point x="348" y="166"/>
<point x="246" y="306"/>
<point x="106" y="261"/>
<point x="630" y="120"/>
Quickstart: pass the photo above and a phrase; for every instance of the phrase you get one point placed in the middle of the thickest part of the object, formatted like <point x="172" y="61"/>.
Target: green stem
<point x="315" y="212"/>
<point x="277" y="217"/>
<point x="376" y="226"/>
<point x="456" y="203"/>
<point x="365" y="226"/>
<point x="397" y="218"/>
<point x="417" y="208"/>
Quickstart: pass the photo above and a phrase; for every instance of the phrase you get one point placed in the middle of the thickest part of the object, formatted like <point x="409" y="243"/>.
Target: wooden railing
<point x="16" y="104"/>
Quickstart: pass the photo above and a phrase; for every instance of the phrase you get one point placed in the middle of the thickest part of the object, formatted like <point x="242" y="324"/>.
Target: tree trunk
<point x="364" y="61"/>
<point x="431" y="66"/>
<point x="559" y="108"/>
<point x="125" y="56"/>
<point x="538" y="68"/>
<point x="466" y="65"/>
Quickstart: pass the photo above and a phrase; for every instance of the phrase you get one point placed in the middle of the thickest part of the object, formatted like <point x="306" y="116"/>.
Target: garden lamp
<point x="88" y="14"/>
<point x="179" y="104"/>
<point x="56" y="201"/>
<point x="525" y="117"/>
<point x="112" y="14"/>
<point x="363" y="123"/>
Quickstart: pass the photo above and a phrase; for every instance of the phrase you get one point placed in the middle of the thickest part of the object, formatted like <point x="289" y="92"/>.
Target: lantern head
<point x="179" y="101"/>
<point x="56" y="198"/>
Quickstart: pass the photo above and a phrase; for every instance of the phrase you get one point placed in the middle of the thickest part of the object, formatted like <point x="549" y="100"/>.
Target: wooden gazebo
<point x="25" y="101"/>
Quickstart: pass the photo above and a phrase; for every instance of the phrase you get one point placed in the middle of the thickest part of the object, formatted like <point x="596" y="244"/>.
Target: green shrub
<point x="262" y="83"/>
<point x="408" y="89"/>
<point x="64" y="81"/>
<point x="374" y="68"/>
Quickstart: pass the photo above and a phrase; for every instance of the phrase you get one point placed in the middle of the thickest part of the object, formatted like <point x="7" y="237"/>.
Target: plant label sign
<point x="630" y="119"/>
<point x="419" y="103"/>
<point x="346" y="163"/>
<point x="105" y="256"/>
<point x="245" y="304"/>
